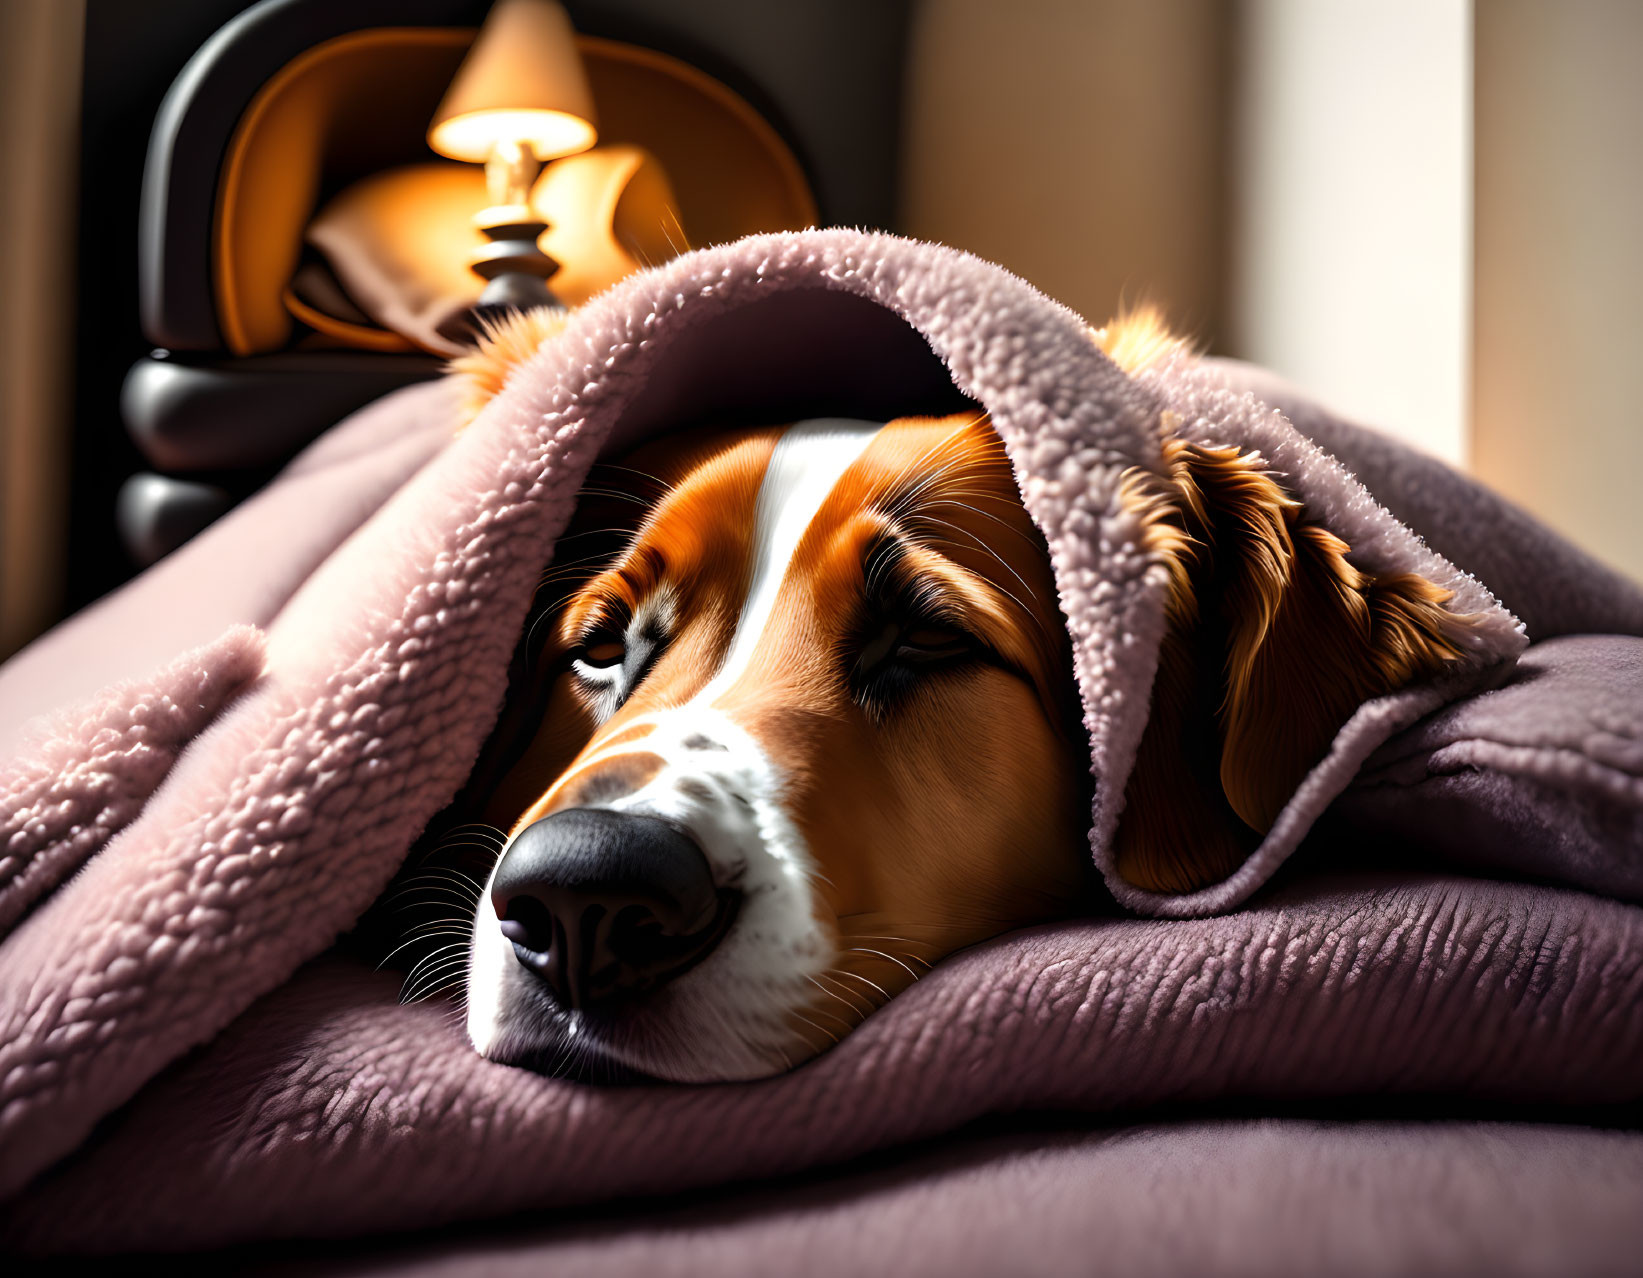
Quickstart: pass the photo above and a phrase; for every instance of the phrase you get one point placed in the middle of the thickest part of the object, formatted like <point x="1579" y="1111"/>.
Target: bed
<point x="1411" y="1046"/>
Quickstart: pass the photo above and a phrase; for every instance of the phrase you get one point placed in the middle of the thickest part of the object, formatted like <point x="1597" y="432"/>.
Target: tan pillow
<point x="610" y="211"/>
<point x="398" y="242"/>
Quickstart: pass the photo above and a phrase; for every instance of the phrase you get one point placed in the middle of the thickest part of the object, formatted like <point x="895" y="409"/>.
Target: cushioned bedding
<point x="187" y="1067"/>
<point x="333" y="1110"/>
<point x="1206" y="1196"/>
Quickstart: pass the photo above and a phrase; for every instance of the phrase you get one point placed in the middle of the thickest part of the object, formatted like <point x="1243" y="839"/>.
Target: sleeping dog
<point x="799" y="719"/>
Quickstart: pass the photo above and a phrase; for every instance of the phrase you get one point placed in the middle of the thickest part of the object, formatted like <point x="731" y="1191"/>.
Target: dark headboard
<point x="825" y="73"/>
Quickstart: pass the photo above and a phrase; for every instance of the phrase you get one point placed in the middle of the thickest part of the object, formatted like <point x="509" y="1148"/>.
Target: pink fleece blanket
<point x="180" y="1068"/>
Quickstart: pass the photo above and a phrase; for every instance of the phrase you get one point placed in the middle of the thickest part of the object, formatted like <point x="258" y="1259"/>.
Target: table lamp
<point x="519" y="99"/>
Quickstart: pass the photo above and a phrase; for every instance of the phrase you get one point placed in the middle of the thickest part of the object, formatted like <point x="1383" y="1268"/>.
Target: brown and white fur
<point x="830" y="654"/>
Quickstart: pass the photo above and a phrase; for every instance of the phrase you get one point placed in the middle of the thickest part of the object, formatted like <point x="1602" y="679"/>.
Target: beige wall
<point x="1426" y="212"/>
<point x="39" y="118"/>
<point x="1074" y="141"/>
<point x="1558" y="372"/>
<point x="1290" y="179"/>
<point x="1350" y="235"/>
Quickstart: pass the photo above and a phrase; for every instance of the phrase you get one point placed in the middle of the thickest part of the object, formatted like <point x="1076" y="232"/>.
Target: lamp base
<point x="513" y="264"/>
<point x="514" y="291"/>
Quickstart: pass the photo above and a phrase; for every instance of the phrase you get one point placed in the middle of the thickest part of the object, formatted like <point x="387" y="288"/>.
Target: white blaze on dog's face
<point x="830" y="659"/>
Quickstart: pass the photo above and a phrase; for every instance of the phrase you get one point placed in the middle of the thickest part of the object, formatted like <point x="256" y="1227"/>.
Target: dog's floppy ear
<point x="1273" y="640"/>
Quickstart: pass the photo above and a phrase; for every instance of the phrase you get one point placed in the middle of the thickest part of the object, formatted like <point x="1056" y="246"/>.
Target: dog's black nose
<point x="604" y="904"/>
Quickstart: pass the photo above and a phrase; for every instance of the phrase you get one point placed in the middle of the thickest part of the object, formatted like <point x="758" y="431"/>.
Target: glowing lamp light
<point x="476" y="136"/>
<point x="519" y="99"/>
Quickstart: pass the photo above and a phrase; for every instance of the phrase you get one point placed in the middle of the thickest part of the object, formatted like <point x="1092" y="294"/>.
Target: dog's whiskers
<point x="832" y="1037"/>
<point x="616" y="494"/>
<point x="443" y="931"/>
<point x="445" y="895"/>
<point x="444" y="967"/>
<point x="446" y="873"/>
<point x="837" y="998"/>
<point x="883" y="993"/>
<point x="988" y="452"/>
<point x="666" y="489"/>
<point x="950" y="498"/>
<point x="435" y="979"/>
<point x="471" y="841"/>
<point x="832" y="975"/>
<point x="862" y="949"/>
<point x="557" y="568"/>
<point x="476" y="827"/>
<point x="893" y="940"/>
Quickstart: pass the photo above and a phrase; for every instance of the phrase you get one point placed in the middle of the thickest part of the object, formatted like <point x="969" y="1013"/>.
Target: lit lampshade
<point x="521" y="82"/>
<point x="519" y="98"/>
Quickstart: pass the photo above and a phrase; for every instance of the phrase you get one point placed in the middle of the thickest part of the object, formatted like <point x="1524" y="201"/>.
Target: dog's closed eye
<point x="902" y="653"/>
<point x="931" y="642"/>
<point x="912" y="626"/>
<point x="601" y="652"/>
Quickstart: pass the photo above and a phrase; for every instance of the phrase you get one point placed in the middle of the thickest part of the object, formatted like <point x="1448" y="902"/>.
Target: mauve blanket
<point x="1209" y="1197"/>
<point x="182" y="847"/>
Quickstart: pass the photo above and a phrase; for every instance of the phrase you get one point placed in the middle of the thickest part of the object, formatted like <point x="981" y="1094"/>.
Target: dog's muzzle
<point x="605" y="905"/>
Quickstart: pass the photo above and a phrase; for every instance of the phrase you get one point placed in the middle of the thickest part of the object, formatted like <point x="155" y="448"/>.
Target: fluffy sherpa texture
<point x="328" y="1109"/>
<point x="86" y="772"/>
